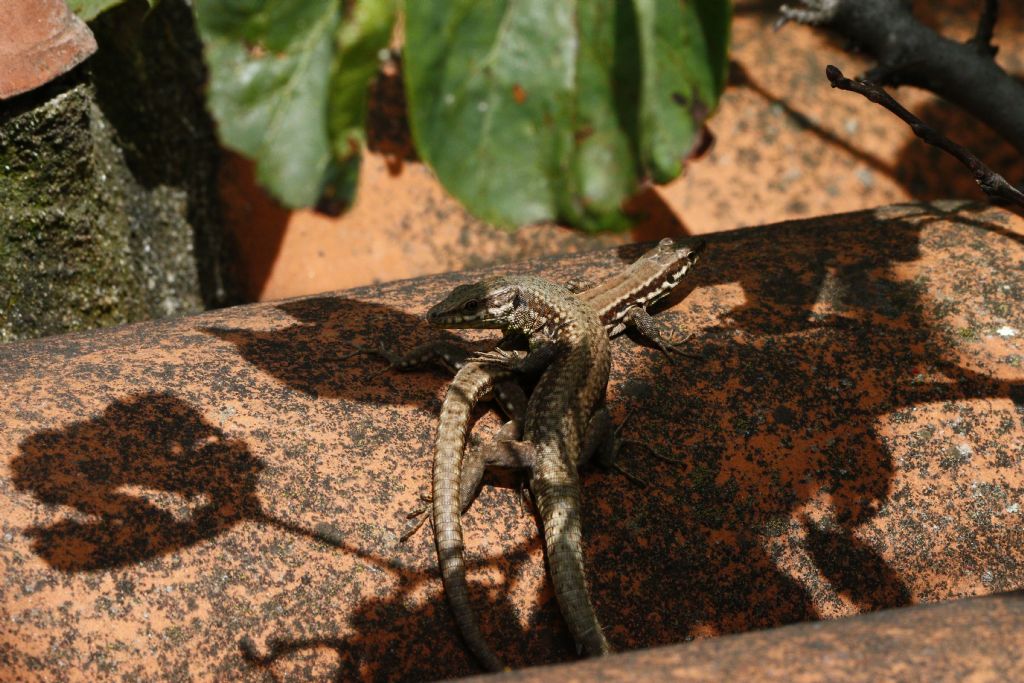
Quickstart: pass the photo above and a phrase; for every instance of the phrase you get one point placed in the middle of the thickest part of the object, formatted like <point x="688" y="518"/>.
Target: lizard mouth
<point x="444" y="316"/>
<point x="456" y="321"/>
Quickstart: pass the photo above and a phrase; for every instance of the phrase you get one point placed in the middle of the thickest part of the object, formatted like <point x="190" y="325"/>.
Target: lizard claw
<point x="417" y="517"/>
<point x="497" y="357"/>
<point x="358" y="351"/>
<point x="522" y="497"/>
<point x="655" y="452"/>
<point x="623" y="423"/>
<point x="629" y="475"/>
<point x="670" y="347"/>
<point x="643" y="444"/>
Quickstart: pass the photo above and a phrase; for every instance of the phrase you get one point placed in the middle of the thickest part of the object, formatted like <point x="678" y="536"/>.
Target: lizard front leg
<point x="601" y="443"/>
<point x="509" y="395"/>
<point x="640" y="320"/>
<point x="444" y="353"/>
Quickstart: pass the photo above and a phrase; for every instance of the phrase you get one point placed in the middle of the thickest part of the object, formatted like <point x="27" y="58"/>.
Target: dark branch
<point x="911" y="53"/>
<point x="992" y="183"/>
<point x="982" y="40"/>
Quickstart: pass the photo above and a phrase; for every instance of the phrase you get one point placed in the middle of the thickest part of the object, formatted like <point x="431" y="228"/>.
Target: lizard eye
<point x="471" y="306"/>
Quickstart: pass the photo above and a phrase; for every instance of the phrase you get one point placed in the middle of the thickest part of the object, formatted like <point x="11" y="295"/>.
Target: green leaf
<point x="87" y="10"/>
<point x="363" y="34"/>
<point x="490" y="87"/>
<point x="281" y="87"/>
<point x="540" y="110"/>
<point x="605" y="163"/>
<point x="714" y="18"/>
<point x="270" y="65"/>
<point x="683" y="75"/>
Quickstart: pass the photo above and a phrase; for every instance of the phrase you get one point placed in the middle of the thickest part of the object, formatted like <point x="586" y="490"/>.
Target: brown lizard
<point x="621" y="302"/>
<point x="567" y="339"/>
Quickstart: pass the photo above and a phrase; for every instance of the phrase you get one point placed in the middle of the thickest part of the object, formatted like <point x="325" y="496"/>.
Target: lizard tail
<point x="557" y="496"/>
<point x="471" y="383"/>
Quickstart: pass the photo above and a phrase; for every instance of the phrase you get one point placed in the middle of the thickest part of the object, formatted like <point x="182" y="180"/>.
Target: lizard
<point x="621" y="302"/>
<point x="562" y="420"/>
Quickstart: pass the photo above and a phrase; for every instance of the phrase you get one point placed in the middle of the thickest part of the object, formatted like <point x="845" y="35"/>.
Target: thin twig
<point x="993" y="184"/>
<point x="982" y="39"/>
<point x="908" y="52"/>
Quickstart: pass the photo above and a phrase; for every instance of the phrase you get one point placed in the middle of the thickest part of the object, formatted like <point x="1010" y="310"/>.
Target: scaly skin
<point x="566" y="336"/>
<point x="620" y="301"/>
<point x="471" y="383"/>
<point x="557" y="416"/>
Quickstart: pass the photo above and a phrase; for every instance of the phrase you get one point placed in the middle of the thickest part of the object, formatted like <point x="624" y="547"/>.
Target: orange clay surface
<point x="787" y="146"/>
<point x="220" y="497"/>
<point x="39" y="41"/>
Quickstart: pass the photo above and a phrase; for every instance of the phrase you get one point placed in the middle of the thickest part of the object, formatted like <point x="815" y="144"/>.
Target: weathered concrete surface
<point x="108" y="206"/>
<point x="220" y="497"/>
<point x="39" y="40"/>
<point x="975" y="639"/>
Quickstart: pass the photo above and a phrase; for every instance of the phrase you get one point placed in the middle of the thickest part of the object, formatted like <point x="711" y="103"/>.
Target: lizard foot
<point x="654" y="452"/>
<point x="628" y="475"/>
<point x="669" y="347"/>
<point x="416" y="518"/>
<point x="642" y="444"/>
<point x="641" y="321"/>
<point x="497" y="357"/>
<point x="393" y="359"/>
<point x="523" y="496"/>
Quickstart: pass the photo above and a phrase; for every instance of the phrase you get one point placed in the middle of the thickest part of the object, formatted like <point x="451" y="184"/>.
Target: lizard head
<point x="488" y="304"/>
<point x="673" y="259"/>
<point x="677" y="253"/>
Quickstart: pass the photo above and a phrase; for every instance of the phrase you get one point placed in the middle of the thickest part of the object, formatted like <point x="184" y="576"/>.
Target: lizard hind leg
<point x="601" y="442"/>
<point x="438" y="352"/>
<point x="474" y="463"/>
<point x="509" y="453"/>
<point x="648" y="448"/>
